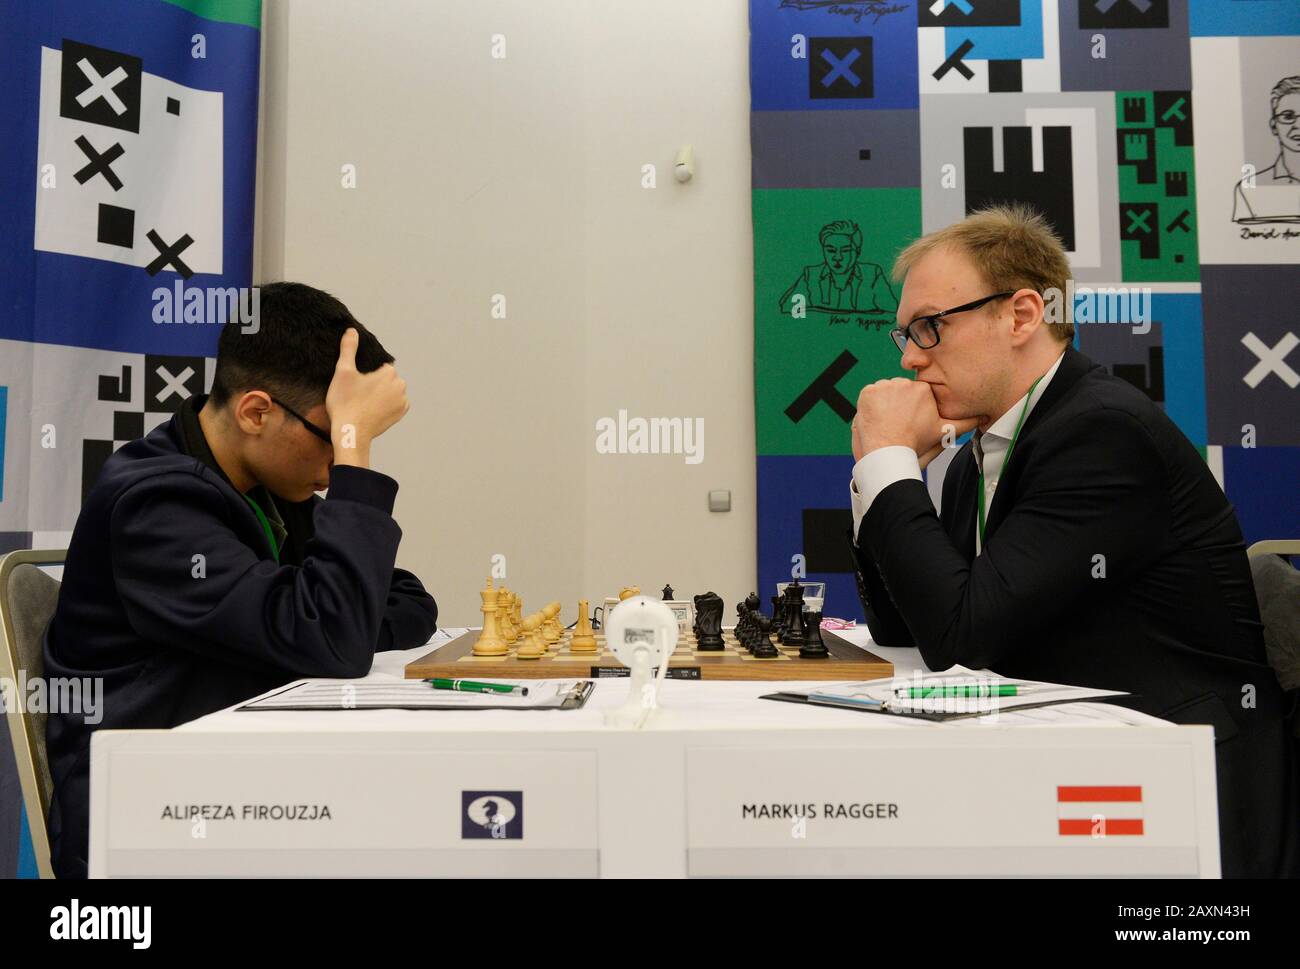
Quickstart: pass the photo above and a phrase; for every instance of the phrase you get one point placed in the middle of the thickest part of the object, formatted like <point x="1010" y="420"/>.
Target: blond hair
<point x="1012" y="246"/>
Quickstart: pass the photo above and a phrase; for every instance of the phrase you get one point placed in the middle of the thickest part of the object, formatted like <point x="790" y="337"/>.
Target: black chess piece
<point x="781" y="622"/>
<point x="793" y="591"/>
<point x="668" y="593"/>
<point x="742" y="624"/>
<point x="778" y="613"/>
<point x="794" y="630"/>
<point x="751" y="626"/>
<point x="764" y="648"/>
<point x="793" y="597"/>
<point x="814" y="647"/>
<point x="708" y="611"/>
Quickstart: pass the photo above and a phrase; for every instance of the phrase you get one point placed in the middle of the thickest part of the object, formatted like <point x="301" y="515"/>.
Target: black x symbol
<point x="1137" y="220"/>
<point x="99" y="164"/>
<point x="954" y="61"/>
<point x="169" y="254"/>
<point x="1180" y="222"/>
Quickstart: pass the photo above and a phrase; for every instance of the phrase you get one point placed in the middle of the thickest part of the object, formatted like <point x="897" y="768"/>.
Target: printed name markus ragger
<point x="877" y="811"/>
<point x="247" y="812"/>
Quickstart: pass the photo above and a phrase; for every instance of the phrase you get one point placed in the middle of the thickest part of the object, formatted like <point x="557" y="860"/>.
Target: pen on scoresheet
<point x="962" y="690"/>
<point x="474" y="686"/>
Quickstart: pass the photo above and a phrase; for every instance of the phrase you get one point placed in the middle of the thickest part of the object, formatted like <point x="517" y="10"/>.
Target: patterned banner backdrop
<point x="131" y="137"/>
<point x="1160" y="137"/>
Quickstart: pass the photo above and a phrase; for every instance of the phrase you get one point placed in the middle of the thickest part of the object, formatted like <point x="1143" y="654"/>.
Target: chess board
<point x="456" y="660"/>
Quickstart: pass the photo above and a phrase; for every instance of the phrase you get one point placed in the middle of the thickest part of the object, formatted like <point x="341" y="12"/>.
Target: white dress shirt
<point x="883" y="466"/>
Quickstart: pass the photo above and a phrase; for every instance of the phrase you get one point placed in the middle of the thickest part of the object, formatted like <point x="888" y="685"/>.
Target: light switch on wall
<point x="719" y="501"/>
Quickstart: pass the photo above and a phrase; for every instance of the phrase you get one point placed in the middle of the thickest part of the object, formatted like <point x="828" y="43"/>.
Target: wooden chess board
<point x="456" y="660"/>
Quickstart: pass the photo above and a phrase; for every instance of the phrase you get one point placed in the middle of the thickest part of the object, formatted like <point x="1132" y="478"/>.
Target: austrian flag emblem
<point x="1099" y="812"/>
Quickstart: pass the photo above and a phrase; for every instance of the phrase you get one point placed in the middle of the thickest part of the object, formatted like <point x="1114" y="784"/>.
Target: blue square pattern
<point x="1261" y="484"/>
<point x="1024" y="41"/>
<point x="786" y="486"/>
<point x="1179" y="315"/>
<point x="780" y="82"/>
<point x="1243" y="18"/>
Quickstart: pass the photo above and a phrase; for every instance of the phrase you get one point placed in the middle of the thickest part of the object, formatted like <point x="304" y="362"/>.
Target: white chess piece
<point x="642" y="633"/>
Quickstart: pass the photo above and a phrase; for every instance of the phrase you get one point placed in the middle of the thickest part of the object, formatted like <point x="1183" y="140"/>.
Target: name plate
<point x="246" y="807"/>
<point x="939" y="811"/>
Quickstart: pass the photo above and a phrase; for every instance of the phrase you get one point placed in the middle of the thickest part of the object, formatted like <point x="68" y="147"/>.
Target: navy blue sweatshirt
<point x="172" y="594"/>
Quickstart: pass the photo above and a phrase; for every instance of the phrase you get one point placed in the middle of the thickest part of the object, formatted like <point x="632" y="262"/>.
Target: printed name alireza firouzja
<point x="249" y="812"/>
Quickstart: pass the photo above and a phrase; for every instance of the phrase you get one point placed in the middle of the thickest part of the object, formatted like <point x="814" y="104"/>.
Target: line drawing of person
<point x="1274" y="195"/>
<point x="842" y="282"/>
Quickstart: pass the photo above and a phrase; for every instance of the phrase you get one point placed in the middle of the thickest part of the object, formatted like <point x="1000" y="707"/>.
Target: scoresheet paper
<point x="880" y="693"/>
<point x="418" y="695"/>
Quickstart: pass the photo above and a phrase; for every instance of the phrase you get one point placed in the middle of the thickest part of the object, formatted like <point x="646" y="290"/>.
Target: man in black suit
<point x="1081" y="537"/>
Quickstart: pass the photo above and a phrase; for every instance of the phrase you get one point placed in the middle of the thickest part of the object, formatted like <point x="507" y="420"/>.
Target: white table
<point x="733" y="785"/>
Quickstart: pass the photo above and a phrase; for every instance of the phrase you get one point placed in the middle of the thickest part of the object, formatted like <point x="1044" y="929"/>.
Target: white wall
<point x="522" y="176"/>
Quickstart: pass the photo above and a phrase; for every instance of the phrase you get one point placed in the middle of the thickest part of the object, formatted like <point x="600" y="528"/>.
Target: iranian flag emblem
<point x="1099" y="812"/>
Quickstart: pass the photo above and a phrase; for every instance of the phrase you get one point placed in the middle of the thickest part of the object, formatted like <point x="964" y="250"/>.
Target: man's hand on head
<point x="361" y="406"/>
<point x="899" y="411"/>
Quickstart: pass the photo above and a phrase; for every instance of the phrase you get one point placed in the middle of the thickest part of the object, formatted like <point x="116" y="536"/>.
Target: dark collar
<point x="959" y="515"/>
<point x="193" y="442"/>
<point x="1073" y="366"/>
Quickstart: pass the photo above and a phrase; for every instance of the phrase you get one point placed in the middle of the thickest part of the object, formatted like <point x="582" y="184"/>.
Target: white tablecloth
<point x="694" y="704"/>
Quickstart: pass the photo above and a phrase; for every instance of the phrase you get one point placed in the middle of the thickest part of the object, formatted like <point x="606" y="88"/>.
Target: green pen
<point x="473" y="686"/>
<point x="961" y="690"/>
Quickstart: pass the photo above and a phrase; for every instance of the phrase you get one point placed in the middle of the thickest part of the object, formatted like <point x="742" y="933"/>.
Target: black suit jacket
<point x="1111" y="559"/>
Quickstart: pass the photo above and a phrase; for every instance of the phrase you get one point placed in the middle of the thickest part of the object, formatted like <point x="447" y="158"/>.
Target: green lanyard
<point x="266" y="527"/>
<point x="1024" y="412"/>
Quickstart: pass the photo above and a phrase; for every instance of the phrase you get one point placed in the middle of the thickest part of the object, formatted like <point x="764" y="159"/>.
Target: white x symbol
<point x="1271" y="361"/>
<point x="173" y="385"/>
<point x="102" y="87"/>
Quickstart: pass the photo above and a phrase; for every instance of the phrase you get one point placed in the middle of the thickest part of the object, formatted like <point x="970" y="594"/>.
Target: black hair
<point x="294" y="350"/>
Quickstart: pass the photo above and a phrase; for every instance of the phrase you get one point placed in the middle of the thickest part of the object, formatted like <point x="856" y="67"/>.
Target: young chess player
<point x="203" y="570"/>
<point x="1080" y="538"/>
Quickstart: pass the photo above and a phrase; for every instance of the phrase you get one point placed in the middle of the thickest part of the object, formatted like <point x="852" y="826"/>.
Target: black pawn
<point x="668" y="593"/>
<point x="763" y="646"/>
<point x="814" y="647"/>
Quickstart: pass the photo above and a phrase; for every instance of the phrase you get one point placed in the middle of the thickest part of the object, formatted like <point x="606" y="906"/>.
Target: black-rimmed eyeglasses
<point x="924" y="330"/>
<point x="320" y="432"/>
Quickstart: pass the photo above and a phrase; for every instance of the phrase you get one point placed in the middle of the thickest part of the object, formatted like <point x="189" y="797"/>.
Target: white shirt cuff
<point x="876" y="472"/>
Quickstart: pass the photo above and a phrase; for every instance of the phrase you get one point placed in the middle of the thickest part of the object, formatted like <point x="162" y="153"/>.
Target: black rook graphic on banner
<point x="1051" y="190"/>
